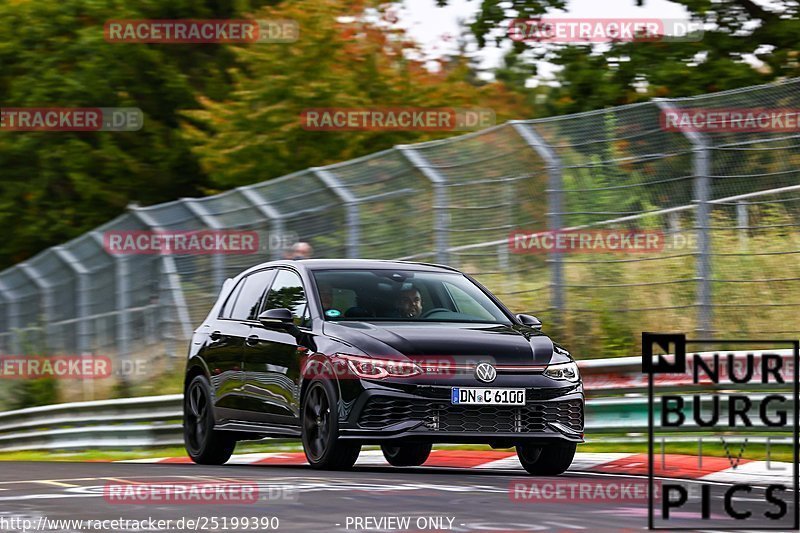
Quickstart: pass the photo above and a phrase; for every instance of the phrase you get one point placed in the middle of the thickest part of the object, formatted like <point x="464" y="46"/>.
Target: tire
<point x="547" y="460"/>
<point x="320" y="430"/>
<point x="406" y="454"/>
<point x="204" y="444"/>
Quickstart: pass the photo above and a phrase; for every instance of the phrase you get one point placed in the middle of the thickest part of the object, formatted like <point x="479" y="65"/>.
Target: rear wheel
<point x="406" y="454"/>
<point x="204" y="444"/>
<point x="323" y="448"/>
<point x="548" y="459"/>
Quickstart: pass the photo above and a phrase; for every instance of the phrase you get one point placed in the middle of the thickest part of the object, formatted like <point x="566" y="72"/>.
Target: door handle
<point x="216" y="335"/>
<point x="252" y="340"/>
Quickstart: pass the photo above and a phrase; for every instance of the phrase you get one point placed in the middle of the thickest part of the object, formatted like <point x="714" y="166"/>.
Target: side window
<point x="287" y="293"/>
<point x="343" y="299"/>
<point x="246" y="306"/>
<point x="466" y="304"/>
<point x="228" y="309"/>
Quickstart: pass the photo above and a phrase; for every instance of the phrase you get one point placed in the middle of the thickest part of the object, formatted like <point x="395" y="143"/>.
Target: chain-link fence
<point x="727" y="202"/>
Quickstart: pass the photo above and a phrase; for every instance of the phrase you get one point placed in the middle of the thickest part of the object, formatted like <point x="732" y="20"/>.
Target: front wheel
<point x="320" y="430"/>
<point x="203" y="443"/>
<point x="407" y="454"/>
<point x="548" y="459"/>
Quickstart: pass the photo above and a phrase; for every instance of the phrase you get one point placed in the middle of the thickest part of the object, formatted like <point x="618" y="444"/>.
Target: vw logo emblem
<point x="485" y="372"/>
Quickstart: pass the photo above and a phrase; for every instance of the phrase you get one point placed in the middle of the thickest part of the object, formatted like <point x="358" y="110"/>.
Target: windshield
<point x="403" y="295"/>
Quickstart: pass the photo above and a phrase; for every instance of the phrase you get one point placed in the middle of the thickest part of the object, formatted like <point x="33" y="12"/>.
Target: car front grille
<point x="381" y="412"/>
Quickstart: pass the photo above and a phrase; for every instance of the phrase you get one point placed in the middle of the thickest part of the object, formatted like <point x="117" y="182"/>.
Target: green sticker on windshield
<point x="333" y="313"/>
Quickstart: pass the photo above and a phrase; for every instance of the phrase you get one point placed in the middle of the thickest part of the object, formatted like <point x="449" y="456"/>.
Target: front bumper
<point x="549" y="414"/>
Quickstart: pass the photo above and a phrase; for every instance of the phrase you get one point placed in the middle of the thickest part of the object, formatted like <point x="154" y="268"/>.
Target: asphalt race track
<point x="303" y="499"/>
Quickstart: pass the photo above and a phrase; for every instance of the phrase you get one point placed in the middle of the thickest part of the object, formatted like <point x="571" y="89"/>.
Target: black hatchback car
<point x="341" y="353"/>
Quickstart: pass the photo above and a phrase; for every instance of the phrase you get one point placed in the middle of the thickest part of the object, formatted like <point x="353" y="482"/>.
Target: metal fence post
<point x="171" y="286"/>
<point x="502" y="257"/>
<point x="122" y="276"/>
<point x="84" y="335"/>
<point x="702" y="195"/>
<point x="554" y="205"/>
<point x="217" y="260"/>
<point x="12" y="318"/>
<point x="46" y="295"/>
<point x="742" y="223"/>
<point x="441" y="200"/>
<point x="351" y="204"/>
<point x="121" y="293"/>
<point x="169" y="273"/>
<point x="5" y="332"/>
<point x="269" y="212"/>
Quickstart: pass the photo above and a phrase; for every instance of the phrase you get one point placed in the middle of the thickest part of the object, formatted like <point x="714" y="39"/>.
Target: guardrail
<point x="623" y="375"/>
<point x="154" y="421"/>
<point x="143" y="422"/>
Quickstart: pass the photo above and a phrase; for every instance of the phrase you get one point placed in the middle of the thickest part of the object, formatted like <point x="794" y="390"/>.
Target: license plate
<point x="476" y="396"/>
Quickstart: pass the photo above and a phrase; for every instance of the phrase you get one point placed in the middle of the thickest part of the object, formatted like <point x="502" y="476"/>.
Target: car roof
<point x="328" y="264"/>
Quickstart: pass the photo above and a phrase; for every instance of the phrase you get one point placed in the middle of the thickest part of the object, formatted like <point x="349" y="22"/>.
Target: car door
<point x="224" y="343"/>
<point x="273" y="355"/>
<point x="228" y="337"/>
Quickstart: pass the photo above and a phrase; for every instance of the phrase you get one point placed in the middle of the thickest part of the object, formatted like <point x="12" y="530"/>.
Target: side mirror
<point x="530" y="320"/>
<point x="275" y="316"/>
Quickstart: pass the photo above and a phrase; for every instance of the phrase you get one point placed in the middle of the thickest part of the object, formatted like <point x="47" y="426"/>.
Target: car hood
<point x="503" y="344"/>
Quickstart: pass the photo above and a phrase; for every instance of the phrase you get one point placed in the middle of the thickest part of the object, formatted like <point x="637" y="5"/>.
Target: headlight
<point x="563" y="371"/>
<point x="369" y="367"/>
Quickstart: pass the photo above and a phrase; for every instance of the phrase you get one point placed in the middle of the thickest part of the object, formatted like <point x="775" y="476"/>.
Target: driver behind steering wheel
<point x="409" y="303"/>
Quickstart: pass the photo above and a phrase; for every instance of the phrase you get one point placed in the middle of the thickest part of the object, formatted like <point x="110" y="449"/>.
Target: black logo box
<point x="676" y="343"/>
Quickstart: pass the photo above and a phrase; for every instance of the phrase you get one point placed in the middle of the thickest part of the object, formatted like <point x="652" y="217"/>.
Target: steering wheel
<point x="429" y="312"/>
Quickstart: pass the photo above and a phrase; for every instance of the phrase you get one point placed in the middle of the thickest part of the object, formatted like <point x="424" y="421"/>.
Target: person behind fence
<point x="300" y="250"/>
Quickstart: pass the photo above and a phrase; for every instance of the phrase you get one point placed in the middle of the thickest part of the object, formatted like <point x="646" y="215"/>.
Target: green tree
<point x="57" y="185"/>
<point x="341" y="60"/>
<point x="748" y="43"/>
